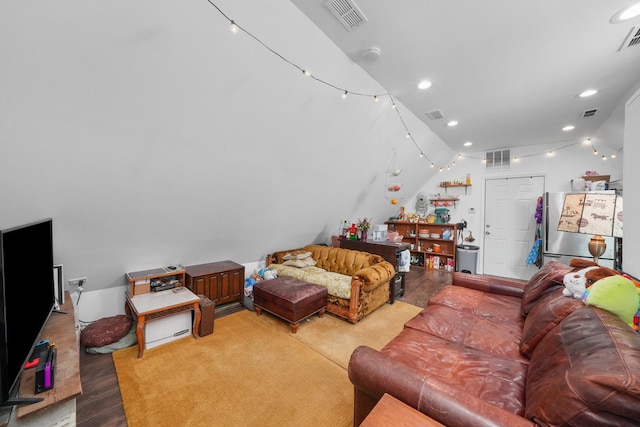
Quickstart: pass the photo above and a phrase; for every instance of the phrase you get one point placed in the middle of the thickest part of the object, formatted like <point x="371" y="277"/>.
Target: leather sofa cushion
<point x="483" y="333"/>
<point x="585" y="372"/>
<point x="550" y="310"/>
<point x="546" y="279"/>
<point x="496" y="380"/>
<point x="479" y="303"/>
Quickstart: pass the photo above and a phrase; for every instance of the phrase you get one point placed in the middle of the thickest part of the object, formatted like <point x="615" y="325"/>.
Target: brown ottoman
<point x="290" y="299"/>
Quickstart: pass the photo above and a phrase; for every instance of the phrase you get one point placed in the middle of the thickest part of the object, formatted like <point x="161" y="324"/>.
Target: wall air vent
<point x="589" y="113"/>
<point x="347" y="13"/>
<point x="633" y="39"/>
<point x="497" y="160"/>
<point x="435" y="114"/>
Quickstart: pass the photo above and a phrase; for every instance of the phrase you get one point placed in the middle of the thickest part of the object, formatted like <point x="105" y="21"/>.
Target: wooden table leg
<point x="140" y="336"/>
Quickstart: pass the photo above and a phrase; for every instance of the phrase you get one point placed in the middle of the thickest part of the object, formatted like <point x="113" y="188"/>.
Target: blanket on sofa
<point x="338" y="285"/>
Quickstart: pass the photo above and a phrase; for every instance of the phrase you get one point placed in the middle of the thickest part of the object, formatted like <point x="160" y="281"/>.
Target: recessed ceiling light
<point x="568" y="128"/>
<point x="452" y="123"/>
<point x="468" y="144"/>
<point x="425" y="84"/>
<point x="588" y="92"/>
<point x="626" y="14"/>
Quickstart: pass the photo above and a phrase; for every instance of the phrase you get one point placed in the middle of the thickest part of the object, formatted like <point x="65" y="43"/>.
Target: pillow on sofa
<point x="300" y="263"/>
<point x="550" y="276"/>
<point x="616" y="294"/>
<point x="296" y="255"/>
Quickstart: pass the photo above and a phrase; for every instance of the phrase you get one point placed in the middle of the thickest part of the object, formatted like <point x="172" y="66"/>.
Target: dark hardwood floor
<point x="101" y="403"/>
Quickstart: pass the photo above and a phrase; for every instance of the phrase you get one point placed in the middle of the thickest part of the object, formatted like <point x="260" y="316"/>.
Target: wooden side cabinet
<point x="221" y="281"/>
<point x="430" y="248"/>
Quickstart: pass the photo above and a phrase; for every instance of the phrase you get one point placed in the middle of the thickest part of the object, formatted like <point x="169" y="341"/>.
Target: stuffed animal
<point x="636" y="318"/>
<point x="267" y="274"/>
<point x="616" y="294"/>
<point x="584" y="274"/>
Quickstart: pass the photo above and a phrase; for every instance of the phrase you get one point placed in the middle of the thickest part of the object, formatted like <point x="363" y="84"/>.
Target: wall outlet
<point x="82" y="281"/>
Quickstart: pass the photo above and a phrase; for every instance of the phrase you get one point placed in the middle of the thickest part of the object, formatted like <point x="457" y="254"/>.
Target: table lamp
<point x="592" y="213"/>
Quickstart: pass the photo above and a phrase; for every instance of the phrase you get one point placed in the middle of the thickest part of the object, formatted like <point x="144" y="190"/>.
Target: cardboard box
<point x="142" y="287"/>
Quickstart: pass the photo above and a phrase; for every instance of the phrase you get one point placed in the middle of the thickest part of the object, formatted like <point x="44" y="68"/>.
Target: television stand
<point x="21" y="401"/>
<point x="58" y="405"/>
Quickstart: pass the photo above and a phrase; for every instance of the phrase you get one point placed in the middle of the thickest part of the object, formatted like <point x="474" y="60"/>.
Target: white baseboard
<point x="95" y="305"/>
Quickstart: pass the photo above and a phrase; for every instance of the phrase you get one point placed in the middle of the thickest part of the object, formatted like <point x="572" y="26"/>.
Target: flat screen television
<point x="26" y="300"/>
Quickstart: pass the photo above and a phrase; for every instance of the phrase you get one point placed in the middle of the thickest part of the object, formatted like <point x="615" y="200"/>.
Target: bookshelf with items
<point x="433" y="244"/>
<point x="142" y="282"/>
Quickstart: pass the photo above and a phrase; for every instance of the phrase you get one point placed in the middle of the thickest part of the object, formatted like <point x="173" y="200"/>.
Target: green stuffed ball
<point x="616" y="294"/>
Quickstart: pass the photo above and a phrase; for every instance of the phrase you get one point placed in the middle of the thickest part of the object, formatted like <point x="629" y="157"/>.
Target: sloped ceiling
<point x="508" y="72"/>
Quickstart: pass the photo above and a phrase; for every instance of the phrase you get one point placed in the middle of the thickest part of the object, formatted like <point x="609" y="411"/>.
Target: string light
<point x="235" y="28"/>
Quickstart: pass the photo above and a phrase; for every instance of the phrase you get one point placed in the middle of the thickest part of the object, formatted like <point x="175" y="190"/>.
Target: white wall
<point x="559" y="169"/>
<point x="631" y="250"/>
<point x="153" y="136"/>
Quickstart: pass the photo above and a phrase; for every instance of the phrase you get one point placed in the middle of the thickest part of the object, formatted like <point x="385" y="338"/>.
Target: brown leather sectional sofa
<point x="497" y="352"/>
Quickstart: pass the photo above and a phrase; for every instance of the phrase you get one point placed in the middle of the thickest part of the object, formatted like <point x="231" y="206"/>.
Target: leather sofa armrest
<point x="490" y="284"/>
<point x="374" y="374"/>
<point x="375" y="275"/>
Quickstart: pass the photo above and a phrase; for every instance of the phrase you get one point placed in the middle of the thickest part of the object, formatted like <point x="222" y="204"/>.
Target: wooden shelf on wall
<point x="604" y="178"/>
<point x="443" y="202"/>
<point x="446" y="186"/>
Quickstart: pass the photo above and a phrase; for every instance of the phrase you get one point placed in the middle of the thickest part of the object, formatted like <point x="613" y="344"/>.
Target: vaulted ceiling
<point x="508" y="72"/>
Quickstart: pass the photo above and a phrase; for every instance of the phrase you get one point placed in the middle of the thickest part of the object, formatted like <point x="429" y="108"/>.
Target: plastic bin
<point x="467" y="258"/>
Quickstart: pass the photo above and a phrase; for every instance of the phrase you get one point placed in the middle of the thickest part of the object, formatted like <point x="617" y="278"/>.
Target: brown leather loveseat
<point x="497" y="352"/>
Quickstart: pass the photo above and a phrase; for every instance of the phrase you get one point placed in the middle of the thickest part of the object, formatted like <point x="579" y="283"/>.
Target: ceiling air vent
<point x="347" y="13"/>
<point x="435" y="114"/>
<point x="633" y="39"/>
<point x="589" y="113"/>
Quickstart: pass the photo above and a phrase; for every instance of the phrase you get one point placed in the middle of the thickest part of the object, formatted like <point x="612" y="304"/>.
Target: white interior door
<point x="509" y="229"/>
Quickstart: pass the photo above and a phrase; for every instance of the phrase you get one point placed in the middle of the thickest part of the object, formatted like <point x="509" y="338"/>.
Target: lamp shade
<point x="592" y="213"/>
